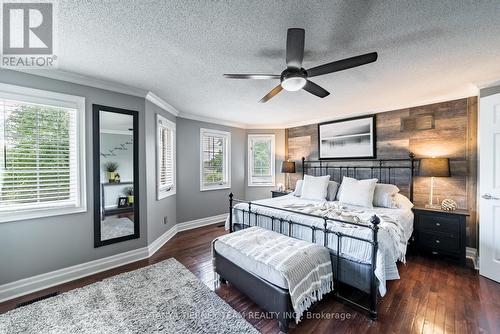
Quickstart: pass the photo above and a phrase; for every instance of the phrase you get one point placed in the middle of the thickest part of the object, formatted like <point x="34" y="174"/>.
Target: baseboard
<point x="201" y="222"/>
<point x="161" y="240"/>
<point x="471" y="253"/>
<point x="43" y="281"/>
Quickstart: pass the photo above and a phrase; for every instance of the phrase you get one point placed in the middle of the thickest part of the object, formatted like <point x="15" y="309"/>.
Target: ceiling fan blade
<point x="252" y="76"/>
<point x="271" y="94"/>
<point x="343" y="64"/>
<point x="314" y="89"/>
<point x="295" y="47"/>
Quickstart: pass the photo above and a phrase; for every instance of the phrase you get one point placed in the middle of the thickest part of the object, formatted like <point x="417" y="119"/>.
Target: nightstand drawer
<point x="440" y="224"/>
<point x="437" y="242"/>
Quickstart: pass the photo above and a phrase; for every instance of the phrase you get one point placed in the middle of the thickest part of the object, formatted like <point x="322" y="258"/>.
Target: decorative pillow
<point x="298" y="188"/>
<point x="357" y="192"/>
<point x="384" y="195"/>
<point x="402" y="202"/>
<point x="331" y="191"/>
<point x="315" y="187"/>
<point x="339" y="191"/>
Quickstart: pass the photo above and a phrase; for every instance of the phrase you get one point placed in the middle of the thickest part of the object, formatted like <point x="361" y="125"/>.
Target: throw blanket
<point x="306" y="267"/>
<point x="334" y="210"/>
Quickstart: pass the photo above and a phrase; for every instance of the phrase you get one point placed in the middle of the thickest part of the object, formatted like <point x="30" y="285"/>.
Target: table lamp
<point x="434" y="167"/>
<point x="287" y="167"/>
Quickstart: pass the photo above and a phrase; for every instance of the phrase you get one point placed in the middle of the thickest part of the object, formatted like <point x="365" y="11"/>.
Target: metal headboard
<point x="399" y="172"/>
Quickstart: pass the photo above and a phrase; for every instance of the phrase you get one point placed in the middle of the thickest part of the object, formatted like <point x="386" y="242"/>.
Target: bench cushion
<point x="257" y="268"/>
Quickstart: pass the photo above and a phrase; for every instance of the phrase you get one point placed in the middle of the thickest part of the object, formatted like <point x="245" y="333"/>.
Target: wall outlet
<point x="165" y="220"/>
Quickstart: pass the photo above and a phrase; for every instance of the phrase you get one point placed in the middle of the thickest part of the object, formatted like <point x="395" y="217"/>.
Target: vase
<point x="131" y="199"/>
<point x="111" y="177"/>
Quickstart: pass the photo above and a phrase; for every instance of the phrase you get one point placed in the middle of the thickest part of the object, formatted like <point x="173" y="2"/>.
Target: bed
<point x="371" y="241"/>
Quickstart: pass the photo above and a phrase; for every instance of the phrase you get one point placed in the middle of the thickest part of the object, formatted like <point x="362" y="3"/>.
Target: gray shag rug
<point x="161" y="298"/>
<point x="113" y="227"/>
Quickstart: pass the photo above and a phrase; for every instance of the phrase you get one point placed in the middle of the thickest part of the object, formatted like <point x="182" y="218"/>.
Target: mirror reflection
<point x="116" y="175"/>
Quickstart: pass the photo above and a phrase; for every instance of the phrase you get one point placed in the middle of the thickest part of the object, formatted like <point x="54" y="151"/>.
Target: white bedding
<point x="396" y="228"/>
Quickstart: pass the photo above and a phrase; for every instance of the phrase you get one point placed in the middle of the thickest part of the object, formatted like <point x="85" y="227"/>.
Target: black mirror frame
<point x="96" y="108"/>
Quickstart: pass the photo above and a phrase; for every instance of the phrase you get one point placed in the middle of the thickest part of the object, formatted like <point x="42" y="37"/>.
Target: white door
<point x="489" y="187"/>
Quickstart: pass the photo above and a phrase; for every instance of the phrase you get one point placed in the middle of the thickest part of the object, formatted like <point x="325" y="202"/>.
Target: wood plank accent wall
<point x="446" y="129"/>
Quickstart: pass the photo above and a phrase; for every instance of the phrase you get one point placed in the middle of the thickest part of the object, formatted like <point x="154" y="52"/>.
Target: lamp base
<point x="432" y="206"/>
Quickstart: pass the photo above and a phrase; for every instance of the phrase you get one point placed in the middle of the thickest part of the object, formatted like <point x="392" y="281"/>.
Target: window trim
<point x="161" y="193"/>
<point x="250" y="160"/>
<point x="38" y="96"/>
<point x="227" y="135"/>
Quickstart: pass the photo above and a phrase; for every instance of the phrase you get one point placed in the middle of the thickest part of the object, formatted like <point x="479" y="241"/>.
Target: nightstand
<point x="441" y="232"/>
<point x="277" y="193"/>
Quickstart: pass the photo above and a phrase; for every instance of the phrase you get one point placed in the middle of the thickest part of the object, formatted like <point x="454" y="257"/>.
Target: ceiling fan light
<point x="293" y="84"/>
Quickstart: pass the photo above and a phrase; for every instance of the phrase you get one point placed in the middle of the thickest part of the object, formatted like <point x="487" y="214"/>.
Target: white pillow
<point x="402" y="202"/>
<point x="315" y="187"/>
<point x="357" y="192"/>
<point x="298" y="188"/>
<point x="384" y="195"/>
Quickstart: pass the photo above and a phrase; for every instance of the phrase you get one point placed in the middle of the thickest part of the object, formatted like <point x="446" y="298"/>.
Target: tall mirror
<point x="116" y="186"/>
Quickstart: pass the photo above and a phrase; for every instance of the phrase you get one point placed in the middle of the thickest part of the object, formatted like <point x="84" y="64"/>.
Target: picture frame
<point x="351" y="138"/>
<point x="122" y="202"/>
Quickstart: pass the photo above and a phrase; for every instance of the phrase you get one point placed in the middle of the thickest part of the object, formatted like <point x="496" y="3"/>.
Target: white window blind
<point x="39" y="162"/>
<point x="261" y="160"/>
<point x="166" y="157"/>
<point x="215" y="148"/>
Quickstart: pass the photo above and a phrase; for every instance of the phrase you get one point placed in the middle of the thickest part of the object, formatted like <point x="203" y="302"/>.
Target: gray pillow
<point x="331" y="192"/>
<point x="384" y="195"/>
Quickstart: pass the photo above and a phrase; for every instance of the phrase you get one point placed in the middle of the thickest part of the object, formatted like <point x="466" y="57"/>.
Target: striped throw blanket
<point x="306" y="267"/>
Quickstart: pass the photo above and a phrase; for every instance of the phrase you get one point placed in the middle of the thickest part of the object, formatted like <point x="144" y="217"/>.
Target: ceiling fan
<point x="294" y="77"/>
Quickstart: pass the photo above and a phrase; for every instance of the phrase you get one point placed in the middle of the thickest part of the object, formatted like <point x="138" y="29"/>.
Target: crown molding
<point x="87" y="81"/>
<point x="212" y="120"/>
<point x="155" y="99"/>
<point x="158" y="101"/>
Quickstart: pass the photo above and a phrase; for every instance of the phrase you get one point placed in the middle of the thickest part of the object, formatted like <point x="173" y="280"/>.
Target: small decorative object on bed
<point x="348" y="138"/>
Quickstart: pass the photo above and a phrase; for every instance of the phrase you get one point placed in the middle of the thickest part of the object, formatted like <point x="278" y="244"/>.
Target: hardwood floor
<point x="432" y="296"/>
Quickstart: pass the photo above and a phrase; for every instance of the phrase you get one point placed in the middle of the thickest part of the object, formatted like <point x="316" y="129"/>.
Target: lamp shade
<point x="288" y="167"/>
<point x="434" y="167"/>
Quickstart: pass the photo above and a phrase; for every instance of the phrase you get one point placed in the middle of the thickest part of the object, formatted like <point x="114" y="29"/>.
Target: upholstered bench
<point x="282" y="275"/>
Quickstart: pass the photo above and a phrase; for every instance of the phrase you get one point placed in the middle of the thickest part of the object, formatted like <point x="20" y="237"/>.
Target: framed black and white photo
<point x="122" y="202"/>
<point x="348" y="138"/>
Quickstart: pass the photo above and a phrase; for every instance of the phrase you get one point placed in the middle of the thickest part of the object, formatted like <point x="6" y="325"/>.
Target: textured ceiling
<point x="428" y="51"/>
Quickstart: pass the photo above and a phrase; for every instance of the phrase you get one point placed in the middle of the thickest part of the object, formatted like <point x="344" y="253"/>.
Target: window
<point x="165" y="130"/>
<point x="261" y="160"/>
<point x="215" y="169"/>
<point x="41" y="163"/>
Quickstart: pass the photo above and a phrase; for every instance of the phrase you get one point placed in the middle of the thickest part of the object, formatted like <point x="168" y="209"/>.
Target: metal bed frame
<point x="381" y="168"/>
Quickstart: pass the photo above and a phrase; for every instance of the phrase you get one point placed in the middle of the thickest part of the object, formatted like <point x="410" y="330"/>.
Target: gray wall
<point x="166" y="207"/>
<point x="254" y="193"/>
<point x="191" y="202"/>
<point x="37" y="246"/>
